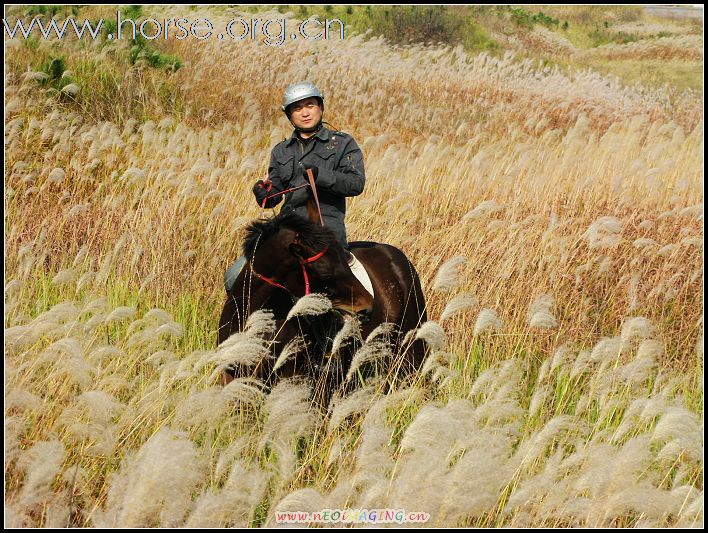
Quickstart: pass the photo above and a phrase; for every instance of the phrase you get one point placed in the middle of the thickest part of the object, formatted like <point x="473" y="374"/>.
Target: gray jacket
<point x="340" y="165"/>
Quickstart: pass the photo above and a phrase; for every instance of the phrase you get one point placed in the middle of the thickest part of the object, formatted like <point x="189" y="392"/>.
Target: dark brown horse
<point x="288" y="256"/>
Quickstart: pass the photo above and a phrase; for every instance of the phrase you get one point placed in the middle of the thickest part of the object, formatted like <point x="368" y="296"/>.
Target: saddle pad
<point x="361" y="274"/>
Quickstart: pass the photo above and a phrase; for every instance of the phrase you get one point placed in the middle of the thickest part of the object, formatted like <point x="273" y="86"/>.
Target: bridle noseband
<point x="302" y="262"/>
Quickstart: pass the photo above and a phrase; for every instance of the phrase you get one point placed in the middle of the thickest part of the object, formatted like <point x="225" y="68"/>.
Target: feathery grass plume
<point x="241" y="349"/>
<point x="543" y="371"/>
<point x="682" y="431"/>
<point x="458" y="303"/>
<point x="71" y="89"/>
<point x="14" y="426"/>
<point x="536" y="445"/>
<point x="18" y="337"/>
<point x="22" y="400"/>
<point x="448" y="275"/>
<point x="497" y="379"/>
<point x="65" y="277"/>
<point x="290" y="413"/>
<point x="373" y="350"/>
<point x="56" y="175"/>
<point x="350" y="329"/>
<point x="102" y="353"/>
<point x="604" y="233"/>
<point x="309" y="305"/>
<point x="542" y="302"/>
<point x="141" y="339"/>
<point x="81" y="255"/>
<point x="261" y="323"/>
<point x="71" y="347"/>
<point x="562" y="356"/>
<point x="483" y="210"/>
<point x="307" y="500"/>
<point x="100" y="406"/>
<point x="12" y="289"/>
<point x="293" y="347"/>
<point x="97" y="305"/>
<point x="606" y="351"/>
<point x="343" y="407"/>
<point x="433" y="334"/>
<point x="644" y="363"/>
<point x="203" y="409"/>
<point x="487" y="320"/>
<point x="171" y="329"/>
<point x="433" y="428"/>
<point x="41" y="464"/>
<point x="581" y="363"/>
<point x="374" y="463"/>
<point x="60" y="313"/>
<point x="233" y="505"/>
<point x="436" y="359"/>
<point x="119" y="314"/>
<point x="245" y="390"/>
<point x="35" y="76"/>
<point x="543" y="320"/>
<point x="77" y="210"/>
<point x="385" y="329"/>
<point x="444" y="376"/>
<point x="636" y="328"/>
<point x="85" y="280"/>
<point x="161" y="357"/>
<point x="539" y="313"/>
<point x="154" y="486"/>
<point x="229" y="455"/>
<point x="538" y="399"/>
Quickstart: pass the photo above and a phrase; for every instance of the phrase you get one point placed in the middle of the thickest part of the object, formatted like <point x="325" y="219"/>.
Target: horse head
<point x="296" y="255"/>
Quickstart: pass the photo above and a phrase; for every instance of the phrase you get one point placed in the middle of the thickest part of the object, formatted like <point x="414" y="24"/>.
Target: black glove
<point x="261" y="190"/>
<point x="314" y="173"/>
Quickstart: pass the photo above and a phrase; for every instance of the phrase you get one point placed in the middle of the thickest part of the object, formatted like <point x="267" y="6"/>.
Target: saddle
<point x="360" y="272"/>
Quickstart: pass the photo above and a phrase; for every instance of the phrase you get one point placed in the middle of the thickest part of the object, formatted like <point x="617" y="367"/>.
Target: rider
<point x="336" y="162"/>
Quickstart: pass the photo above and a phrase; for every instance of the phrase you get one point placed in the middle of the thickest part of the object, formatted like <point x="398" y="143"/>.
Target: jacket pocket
<point x="285" y="167"/>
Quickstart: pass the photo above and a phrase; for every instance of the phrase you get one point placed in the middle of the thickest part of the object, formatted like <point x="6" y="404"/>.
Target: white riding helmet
<point x="299" y="91"/>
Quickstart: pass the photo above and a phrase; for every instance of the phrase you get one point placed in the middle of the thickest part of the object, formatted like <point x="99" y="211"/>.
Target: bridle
<point x="302" y="262"/>
<point x="296" y="240"/>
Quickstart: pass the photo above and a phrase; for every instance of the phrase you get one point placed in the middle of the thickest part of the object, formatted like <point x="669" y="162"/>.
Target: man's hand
<point x="261" y="190"/>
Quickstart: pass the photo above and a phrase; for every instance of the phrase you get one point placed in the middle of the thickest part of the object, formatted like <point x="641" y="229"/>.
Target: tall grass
<point x="556" y="223"/>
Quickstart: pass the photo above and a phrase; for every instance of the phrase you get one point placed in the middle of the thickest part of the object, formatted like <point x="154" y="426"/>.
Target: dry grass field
<point x="555" y="217"/>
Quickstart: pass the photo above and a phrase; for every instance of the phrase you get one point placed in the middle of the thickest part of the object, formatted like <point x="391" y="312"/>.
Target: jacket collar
<point x="322" y="135"/>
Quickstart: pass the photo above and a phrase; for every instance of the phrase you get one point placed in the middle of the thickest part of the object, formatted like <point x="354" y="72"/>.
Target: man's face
<point x="306" y="113"/>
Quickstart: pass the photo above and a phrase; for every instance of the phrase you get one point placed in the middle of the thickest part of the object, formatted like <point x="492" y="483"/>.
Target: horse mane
<point x="311" y="235"/>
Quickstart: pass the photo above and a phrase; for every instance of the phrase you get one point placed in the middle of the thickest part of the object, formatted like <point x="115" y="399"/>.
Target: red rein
<point x="303" y="262"/>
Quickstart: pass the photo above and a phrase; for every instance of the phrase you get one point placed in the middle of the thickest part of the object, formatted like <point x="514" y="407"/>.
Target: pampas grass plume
<point x="433" y="334"/>
<point x="448" y="276"/>
<point x="487" y="320"/>
<point x="311" y="304"/>
<point x="458" y="303"/>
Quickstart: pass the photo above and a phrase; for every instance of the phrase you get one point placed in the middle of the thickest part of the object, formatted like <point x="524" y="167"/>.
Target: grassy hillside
<point x="569" y="36"/>
<point x="564" y="207"/>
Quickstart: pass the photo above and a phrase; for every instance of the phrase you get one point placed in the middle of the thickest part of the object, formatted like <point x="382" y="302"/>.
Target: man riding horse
<point x="304" y="249"/>
<point x="333" y="160"/>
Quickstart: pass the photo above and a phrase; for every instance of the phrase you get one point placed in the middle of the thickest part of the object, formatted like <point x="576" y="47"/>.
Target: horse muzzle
<point x="362" y="309"/>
